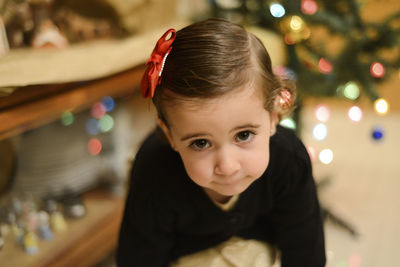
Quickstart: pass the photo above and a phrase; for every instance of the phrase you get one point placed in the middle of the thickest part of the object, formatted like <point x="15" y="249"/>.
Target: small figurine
<point x="30" y="242"/>
<point x="57" y="221"/>
<point x="44" y="226"/>
<point x="73" y="205"/>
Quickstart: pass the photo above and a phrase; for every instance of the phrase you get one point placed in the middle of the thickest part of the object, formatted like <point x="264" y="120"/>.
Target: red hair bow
<point x="155" y="64"/>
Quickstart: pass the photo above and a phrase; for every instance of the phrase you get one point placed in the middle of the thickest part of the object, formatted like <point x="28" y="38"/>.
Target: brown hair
<point x="213" y="57"/>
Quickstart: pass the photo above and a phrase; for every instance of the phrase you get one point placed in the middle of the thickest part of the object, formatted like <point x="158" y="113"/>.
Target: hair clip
<point x="155" y="65"/>
<point x="285" y="99"/>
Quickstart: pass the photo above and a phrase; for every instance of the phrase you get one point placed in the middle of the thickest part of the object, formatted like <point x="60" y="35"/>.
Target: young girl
<point x="224" y="171"/>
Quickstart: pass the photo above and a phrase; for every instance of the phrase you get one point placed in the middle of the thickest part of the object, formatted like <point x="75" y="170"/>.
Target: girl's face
<point x="223" y="142"/>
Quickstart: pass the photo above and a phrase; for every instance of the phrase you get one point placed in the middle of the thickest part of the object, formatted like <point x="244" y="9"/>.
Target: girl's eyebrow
<point x="246" y="126"/>
<point x="196" y="135"/>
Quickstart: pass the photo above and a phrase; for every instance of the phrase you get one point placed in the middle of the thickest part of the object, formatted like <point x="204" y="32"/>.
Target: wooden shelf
<point x="84" y="243"/>
<point x="38" y="105"/>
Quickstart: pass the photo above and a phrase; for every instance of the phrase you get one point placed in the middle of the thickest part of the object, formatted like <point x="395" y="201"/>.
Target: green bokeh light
<point x="67" y="118"/>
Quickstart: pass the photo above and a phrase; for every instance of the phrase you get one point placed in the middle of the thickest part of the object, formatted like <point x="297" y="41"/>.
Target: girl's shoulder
<point x="156" y="164"/>
<point x="286" y="144"/>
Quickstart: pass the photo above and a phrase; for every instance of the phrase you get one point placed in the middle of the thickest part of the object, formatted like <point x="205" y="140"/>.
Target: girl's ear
<point x="274" y="117"/>
<point x="166" y="132"/>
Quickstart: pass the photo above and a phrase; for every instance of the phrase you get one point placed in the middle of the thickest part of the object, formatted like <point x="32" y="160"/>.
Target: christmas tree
<point x="351" y="58"/>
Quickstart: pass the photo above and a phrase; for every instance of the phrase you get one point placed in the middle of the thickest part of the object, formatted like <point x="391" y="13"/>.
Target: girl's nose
<point x="227" y="164"/>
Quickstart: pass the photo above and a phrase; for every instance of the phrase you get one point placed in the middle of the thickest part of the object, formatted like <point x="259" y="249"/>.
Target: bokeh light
<point x="355" y="114"/>
<point x="377" y="133"/>
<point x="108" y="103"/>
<point x="377" y="70"/>
<point x="277" y="10"/>
<point x="351" y="91"/>
<point x="92" y="126"/>
<point x="106" y="123"/>
<point x="355" y="260"/>
<point x="98" y="110"/>
<point x="288" y="123"/>
<point x="381" y="106"/>
<point x="67" y="118"/>
<point x="324" y="66"/>
<point x="296" y="24"/>
<point x="326" y="156"/>
<point x="322" y="113"/>
<point x="94" y="146"/>
<point x="309" y="7"/>
<point x="320" y="131"/>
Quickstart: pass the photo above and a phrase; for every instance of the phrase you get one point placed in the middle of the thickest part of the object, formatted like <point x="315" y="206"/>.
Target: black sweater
<point x="168" y="216"/>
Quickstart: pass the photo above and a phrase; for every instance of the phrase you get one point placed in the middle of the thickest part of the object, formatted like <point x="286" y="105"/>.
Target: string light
<point x="324" y="66"/>
<point x="92" y="126"/>
<point x="309" y="7"/>
<point x="355" y="114"/>
<point x="288" y="123"/>
<point x="322" y="113"/>
<point x="320" y="131"/>
<point x="94" y="146"/>
<point x="377" y="70"/>
<point x="296" y="23"/>
<point x="326" y="156"/>
<point x="381" y="106"/>
<point x="108" y="103"/>
<point x="106" y="123"/>
<point x="351" y="91"/>
<point x="277" y="10"/>
<point x="67" y="118"/>
<point x="98" y="110"/>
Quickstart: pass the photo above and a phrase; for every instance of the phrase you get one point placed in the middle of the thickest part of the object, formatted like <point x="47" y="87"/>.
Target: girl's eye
<point x="200" y="144"/>
<point x="244" y="136"/>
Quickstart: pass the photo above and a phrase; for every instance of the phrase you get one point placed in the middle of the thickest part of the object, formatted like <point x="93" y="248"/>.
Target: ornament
<point x="377" y="70"/>
<point x="381" y="106"/>
<point x="377" y="133"/>
<point x="355" y="114"/>
<point x="326" y="156"/>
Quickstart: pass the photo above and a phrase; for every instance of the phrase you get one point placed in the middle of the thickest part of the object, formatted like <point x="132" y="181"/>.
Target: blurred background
<point x="72" y="117"/>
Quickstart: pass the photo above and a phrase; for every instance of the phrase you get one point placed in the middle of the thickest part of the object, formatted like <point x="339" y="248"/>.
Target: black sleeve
<point x="146" y="235"/>
<point x="296" y="217"/>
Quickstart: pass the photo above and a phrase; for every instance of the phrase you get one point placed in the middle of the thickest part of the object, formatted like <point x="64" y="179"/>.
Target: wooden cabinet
<point x="93" y="237"/>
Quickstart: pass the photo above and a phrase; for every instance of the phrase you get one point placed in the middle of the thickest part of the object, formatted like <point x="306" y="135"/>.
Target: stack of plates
<point x="54" y="159"/>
